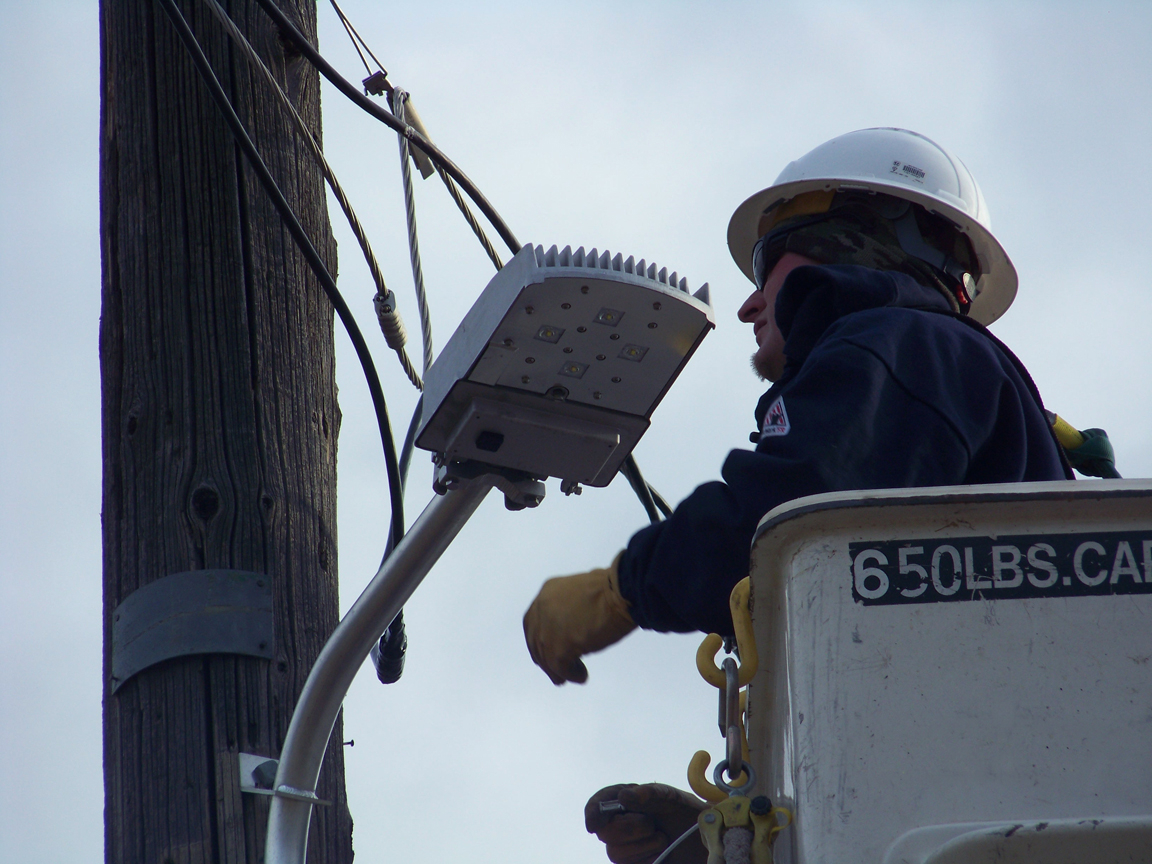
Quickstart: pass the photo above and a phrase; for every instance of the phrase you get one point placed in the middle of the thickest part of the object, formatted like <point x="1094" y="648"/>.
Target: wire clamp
<point x="377" y="84"/>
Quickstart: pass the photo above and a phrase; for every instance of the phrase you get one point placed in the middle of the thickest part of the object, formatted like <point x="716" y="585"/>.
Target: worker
<point x="875" y="271"/>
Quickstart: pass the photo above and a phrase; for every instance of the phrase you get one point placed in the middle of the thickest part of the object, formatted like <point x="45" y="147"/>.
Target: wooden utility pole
<point x="219" y="439"/>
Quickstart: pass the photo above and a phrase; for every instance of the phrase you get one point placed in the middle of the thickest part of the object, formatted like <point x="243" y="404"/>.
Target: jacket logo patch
<point x="776" y="420"/>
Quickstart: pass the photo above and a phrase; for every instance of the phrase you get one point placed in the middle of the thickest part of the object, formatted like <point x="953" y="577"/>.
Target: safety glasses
<point x="770" y="248"/>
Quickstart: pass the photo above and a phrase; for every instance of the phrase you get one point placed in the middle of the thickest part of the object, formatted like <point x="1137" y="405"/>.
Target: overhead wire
<point x="394" y="639"/>
<point x="654" y="504"/>
<point x="354" y="35"/>
<point x="450" y="185"/>
<point x="352" y="38"/>
<point x="304" y="243"/>
<point x="298" y="40"/>
<point x="470" y="217"/>
<point x="393" y="330"/>
<point x="397" y="98"/>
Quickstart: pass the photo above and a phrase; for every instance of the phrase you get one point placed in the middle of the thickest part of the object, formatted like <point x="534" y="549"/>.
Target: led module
<point x="558" y="366"/>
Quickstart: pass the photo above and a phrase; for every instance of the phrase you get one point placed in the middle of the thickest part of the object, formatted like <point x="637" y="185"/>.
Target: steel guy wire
<point x="398" y="99"/>
<point x="289" y="31"/>
<point x="354" y="35"/>
<point x="305" y="133"/>
<point x="308" y="250"/>
<point x="355" y="44"/>
<point x="672" y="846"/>
<point x="470" y="217"/>
<point x="358" y="40"/>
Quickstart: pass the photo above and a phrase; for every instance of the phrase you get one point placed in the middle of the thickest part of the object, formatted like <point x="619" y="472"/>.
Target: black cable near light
<point x="390" y="320"/>
<point x="304" y="243"/>
<point x="291" y="33"/>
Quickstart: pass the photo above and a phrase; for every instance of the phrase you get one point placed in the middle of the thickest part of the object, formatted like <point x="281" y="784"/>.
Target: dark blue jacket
<point x="883" y="388"/>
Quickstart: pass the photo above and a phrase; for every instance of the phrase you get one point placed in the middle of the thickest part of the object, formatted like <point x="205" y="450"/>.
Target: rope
<point x="329" y="176"/>
<point x="469" y="217"/>
<point x="398" y="97"/>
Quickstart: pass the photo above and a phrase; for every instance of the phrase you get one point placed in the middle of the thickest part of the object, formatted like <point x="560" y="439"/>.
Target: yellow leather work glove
<point x="572" y="616"/>
<point x="654" y="815"/>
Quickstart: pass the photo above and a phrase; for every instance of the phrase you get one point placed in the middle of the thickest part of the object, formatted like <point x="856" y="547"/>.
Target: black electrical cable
<point x="659" y="500"/>
<point x="289" y="31"/>
<point x="391" y="648"/>
<point x="410" y="440"/>
<point x="631" y="471"/>
<point x="298" y="233"/>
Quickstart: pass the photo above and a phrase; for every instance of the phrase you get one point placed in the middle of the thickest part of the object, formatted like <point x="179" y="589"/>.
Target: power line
<point x="354" y="35"/>
<point x="292" y="223"/>
<point x="291" y="33"/>
<point x="393" y="333"/>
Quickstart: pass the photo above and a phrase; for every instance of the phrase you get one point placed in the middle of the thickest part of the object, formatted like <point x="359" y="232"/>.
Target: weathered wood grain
<point x="220" y="423"/>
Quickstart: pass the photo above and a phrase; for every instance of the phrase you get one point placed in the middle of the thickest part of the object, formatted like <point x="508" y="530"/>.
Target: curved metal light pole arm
<point x="341" y="658"/>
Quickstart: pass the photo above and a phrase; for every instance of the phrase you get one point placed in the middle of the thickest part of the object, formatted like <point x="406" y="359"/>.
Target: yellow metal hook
<point x="738" y="603"/>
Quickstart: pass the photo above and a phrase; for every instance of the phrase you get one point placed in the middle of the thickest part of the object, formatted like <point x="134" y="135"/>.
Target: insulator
<point x="390" y="322"/>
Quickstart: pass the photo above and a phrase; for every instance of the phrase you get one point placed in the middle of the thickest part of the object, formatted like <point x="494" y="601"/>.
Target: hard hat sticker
<point x="776" y="420"/>
<point x="984" y="568"/>
<point x="906" y="170"/>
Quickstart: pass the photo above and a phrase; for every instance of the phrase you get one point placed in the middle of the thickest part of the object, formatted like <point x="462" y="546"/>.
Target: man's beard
<point x="760" y="373"/>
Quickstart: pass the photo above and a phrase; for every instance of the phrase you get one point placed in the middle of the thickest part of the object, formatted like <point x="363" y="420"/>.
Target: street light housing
<point x="558" y="366"/>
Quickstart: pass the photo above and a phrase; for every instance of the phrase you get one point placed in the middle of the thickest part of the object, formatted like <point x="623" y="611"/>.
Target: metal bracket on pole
<point x="520" y="488"/>
<point x="344" y="653"/>
<point x="197" y="612"/>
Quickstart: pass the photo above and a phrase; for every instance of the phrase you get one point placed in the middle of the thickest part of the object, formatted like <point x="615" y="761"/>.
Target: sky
<point x="632" y="126"/>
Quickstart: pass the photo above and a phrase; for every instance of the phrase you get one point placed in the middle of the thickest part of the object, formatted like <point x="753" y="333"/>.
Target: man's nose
<point x="752" y="307"/>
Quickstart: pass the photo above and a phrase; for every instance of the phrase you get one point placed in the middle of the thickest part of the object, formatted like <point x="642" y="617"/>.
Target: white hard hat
<point x="902" y="164"/>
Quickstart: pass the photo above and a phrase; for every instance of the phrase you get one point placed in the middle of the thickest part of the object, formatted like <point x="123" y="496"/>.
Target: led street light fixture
<point x="557" y="368"/>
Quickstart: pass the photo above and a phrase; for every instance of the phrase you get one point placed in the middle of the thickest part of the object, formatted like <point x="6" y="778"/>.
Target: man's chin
<point x="761" y="368"/>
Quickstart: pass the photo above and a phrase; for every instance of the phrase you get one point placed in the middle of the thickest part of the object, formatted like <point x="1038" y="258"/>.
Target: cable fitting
<point x="377" y="84"/>
<point x="391" y="324"/>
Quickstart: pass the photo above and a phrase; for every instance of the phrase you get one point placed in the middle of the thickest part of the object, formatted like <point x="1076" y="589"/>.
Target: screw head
<point x="651" y="325"/>
<point x="710" y="818"/>
<point x="760" y="805"/>
<point x="529" y="359"/>
<point x="565" y="305"/>
<point x="656" y="305"/>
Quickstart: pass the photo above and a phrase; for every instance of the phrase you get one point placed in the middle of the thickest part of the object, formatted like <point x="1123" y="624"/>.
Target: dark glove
<point x="654" y="815"/>
<point x="1095" y="457"/>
